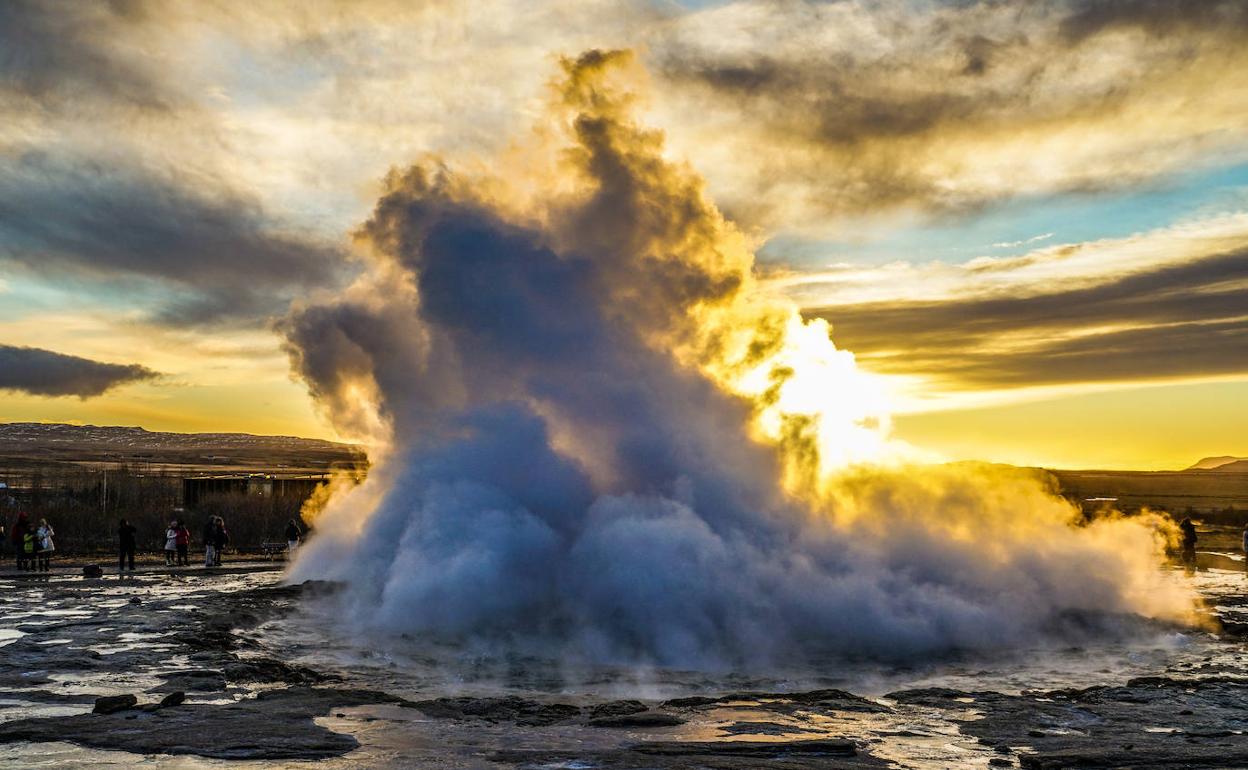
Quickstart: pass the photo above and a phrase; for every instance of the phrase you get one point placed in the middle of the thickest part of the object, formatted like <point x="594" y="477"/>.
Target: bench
<point x="273" y="549"/>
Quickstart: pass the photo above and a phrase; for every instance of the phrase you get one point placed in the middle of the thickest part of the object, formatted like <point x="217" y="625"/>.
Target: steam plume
<point x="602" y="437"/>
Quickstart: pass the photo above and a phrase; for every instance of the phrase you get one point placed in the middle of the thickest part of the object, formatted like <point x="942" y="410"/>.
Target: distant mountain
<point x="58" y="442"/>
<point x="1221" y="463"/>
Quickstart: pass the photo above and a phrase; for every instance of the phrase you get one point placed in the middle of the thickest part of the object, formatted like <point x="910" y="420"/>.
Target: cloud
<point x="206" y="156"/>
<point x="214" y="252"/>
<point x="57" y="51"/>
<point x="810" y="115"/>
<point x="47" y="373"/>
<point x="1107" y="311"/>
<point x="1155" y="17"/>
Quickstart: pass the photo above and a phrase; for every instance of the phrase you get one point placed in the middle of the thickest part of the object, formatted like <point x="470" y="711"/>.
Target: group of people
<point x="33" y="543"/>
<point x="216" y="537"/>
<point x="35" y="546"/>
<point x="177" y="543"/>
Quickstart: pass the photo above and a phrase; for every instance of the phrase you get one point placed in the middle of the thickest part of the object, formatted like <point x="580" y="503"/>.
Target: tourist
<point x="171" y="543"/>
<point x="18" y="536"/>
<point x="294" y="535"/>
<point x="29" y="548"/>
<point x="126" y="545"/>
<point x="182" y="540"/>
<point x="45" y="545"/>
<point x="1189" y="541"/>
<point x="221" y="539"/>
<point x="210" y="542"/>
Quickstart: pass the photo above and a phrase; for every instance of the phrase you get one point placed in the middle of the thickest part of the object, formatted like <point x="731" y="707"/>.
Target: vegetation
<point x="84" y="506"/>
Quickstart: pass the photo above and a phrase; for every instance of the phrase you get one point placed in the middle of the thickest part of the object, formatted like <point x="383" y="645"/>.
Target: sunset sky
<point x="1030" y="218"/>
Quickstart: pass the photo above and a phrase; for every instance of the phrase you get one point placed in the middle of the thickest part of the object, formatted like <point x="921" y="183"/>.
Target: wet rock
<point x="774" y="728"/>
<point x="509" y="709"/>
<point x="836" y="747"/>
<point x="111" y="704"/>
<point x="92" y="571"/>
<point x="48" y="697"/>
<point x="267" y="670"/>
<point x="835" y="700"/>
<point x="642" y="719"/>
<point x="1153" y="722"/>
<point x="826" y="754"/>
<point x="617" y="709"/>
<point x="195" y="681"/>
<point x="213" y="640"/>
<point x="276" y="725"/>
<point x="175" y="698"/>
<point x="135" y="600"/>
<point x="941" y="697"/>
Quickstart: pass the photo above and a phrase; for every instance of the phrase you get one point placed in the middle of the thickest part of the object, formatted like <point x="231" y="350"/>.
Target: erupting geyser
<point x="603" y="439"/>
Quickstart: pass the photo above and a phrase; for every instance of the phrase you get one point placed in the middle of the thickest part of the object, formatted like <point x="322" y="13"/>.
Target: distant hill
<point x="52" y="443"/>
<point x="1220" y="463"/>
<point x="1237" y="466"/>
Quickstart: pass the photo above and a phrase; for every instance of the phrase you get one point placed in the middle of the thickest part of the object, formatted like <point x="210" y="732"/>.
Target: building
<point x="196" y="489"/>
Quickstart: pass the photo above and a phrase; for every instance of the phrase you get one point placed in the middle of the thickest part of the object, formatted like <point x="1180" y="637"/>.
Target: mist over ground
<point x="601" y="439"/>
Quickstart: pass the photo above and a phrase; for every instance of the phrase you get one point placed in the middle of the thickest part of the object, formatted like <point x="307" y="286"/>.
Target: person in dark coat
<point x="126" y="543"/>
<point x="1188" y="530"/>
<point x="210" y="542"/>
<point x="293" y="537"/>
<point x="221" y="538"/>
<point x="20" y="528"/>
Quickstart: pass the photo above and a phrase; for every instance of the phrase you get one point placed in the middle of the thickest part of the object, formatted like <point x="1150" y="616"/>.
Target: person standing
<point x="18" y="536"/>
<point x="30" y="549"/>
<point x="210" y="542"/>
<point x="221" y="539"/>
<point x="126" y="545"/>
<point x="293" y="537"/>
<point x="1188" y="529"/>
<point x="171" y="543"/>
<point x="45" y="545"/>
<point x="182" y="540"/>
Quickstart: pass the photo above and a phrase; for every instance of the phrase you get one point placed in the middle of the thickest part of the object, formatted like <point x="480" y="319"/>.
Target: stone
<point x="639" y="720"/>
<point x="522" y="711"/>
<point x="111" y="704"/>
<point x="617" y="709"/>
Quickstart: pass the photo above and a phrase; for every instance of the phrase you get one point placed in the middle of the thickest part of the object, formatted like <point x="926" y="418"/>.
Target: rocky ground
<point x="179" y="665"/>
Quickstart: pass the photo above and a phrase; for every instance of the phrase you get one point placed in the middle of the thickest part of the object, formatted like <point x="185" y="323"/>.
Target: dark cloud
<point x="1156" y="17"/>
<point x="1178" y="321"/>
<point x="837" y="108"/>
<point x="102" y="210"/>
<point x="47" y="373"/>
<point x="66" y="50"/>
<point x="214" y="250"/>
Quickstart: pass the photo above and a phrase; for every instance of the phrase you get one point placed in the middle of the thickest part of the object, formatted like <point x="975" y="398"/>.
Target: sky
<point x="1029" y="219"/>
